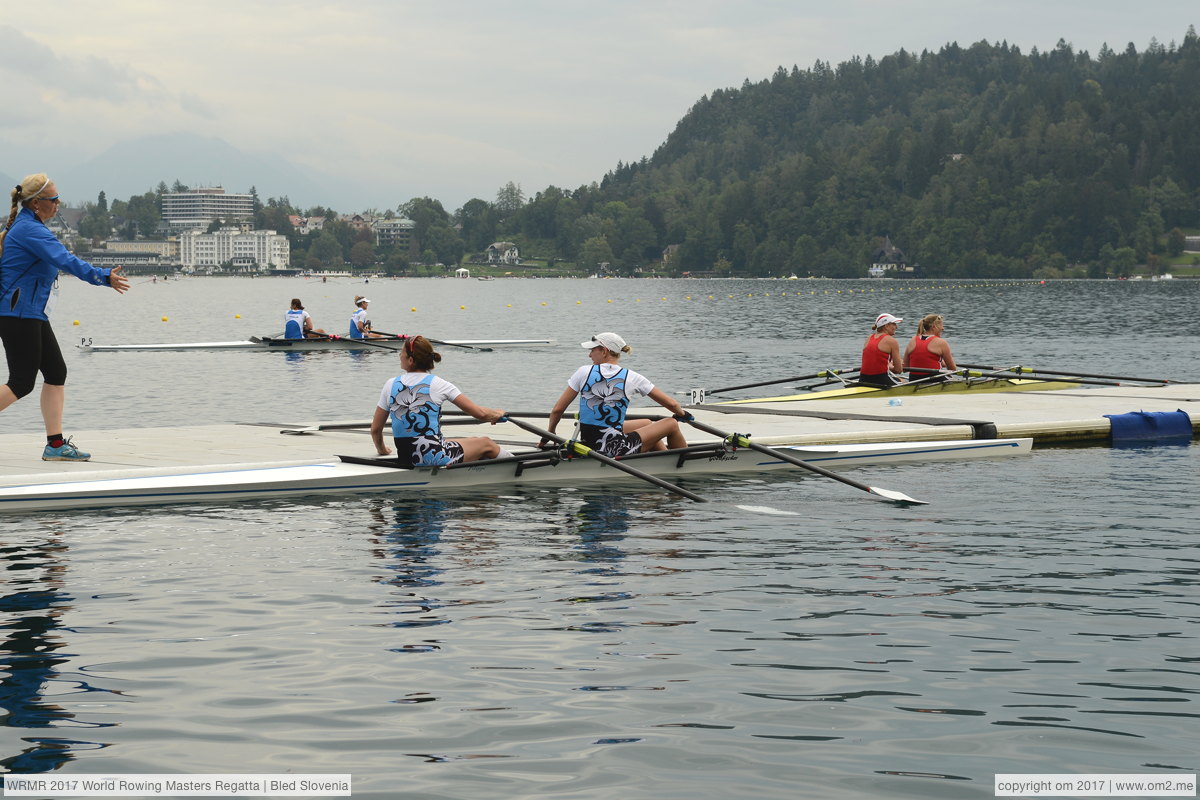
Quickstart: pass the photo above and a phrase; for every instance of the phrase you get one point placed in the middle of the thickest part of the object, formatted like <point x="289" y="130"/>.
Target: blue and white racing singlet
<point x="603" y="401"/>
<point x="413" y="413"/>
<point x="355" y="318"/>
<point x="293" y="324"/>
<point x="416" y="426"/>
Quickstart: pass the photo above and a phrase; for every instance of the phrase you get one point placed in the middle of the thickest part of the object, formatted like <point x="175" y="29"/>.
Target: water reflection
<point x="31" y="614"/>
<point x="408" y="538"/>
<point x="601" y="522"/>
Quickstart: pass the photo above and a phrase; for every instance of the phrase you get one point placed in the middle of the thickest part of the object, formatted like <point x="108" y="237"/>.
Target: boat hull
<point x="301" y="345"/>
<point x="336" y="477"/>
<point x="970" y="386"/>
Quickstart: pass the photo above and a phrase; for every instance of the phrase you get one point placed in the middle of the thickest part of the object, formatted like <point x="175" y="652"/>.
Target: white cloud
<point x="454" y="99"/>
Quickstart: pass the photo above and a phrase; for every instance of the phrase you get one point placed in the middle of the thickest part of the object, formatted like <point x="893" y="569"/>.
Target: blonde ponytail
<point x="24" y="193"/>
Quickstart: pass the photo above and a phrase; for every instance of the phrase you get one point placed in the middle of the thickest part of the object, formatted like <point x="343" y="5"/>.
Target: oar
<point x="825" y="373"/>
<point x="438" y="341"/>
<point x="744" y="441"/>
<point x="584" y="450"/>
<point x="1027" y="374"/>
<point x="321" y="338"/>
<point x="1070" y="374"/>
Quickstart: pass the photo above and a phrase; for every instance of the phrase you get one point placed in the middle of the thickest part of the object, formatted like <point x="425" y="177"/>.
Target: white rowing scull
<point x="279" y="344"/>
<point x="348" y="475"/>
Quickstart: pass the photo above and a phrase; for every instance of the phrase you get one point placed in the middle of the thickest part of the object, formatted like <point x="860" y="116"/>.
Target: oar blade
<point x="898" y="497"/>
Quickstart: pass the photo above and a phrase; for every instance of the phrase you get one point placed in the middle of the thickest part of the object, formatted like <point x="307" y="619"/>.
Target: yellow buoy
<point x="462" y="307"/>
<point x="164" y="319"/>
<point x="76" y="322"/>
<point x="237" y="316"/>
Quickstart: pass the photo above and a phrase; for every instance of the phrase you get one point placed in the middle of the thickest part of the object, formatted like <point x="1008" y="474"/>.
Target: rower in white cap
<point x="605" y="389"/>
<point x="882" y="364"/>
<point x="360" y="326"/>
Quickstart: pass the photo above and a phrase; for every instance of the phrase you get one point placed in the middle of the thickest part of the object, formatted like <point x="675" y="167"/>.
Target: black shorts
<point x="610" y="441"/>
<point x="426" y="451"/>
<point x="29" y="348"/>
<point x="883" y="379"/>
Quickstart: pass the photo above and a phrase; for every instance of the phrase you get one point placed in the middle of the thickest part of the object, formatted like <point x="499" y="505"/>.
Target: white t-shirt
<point x="636" y="384"/>
<point x="439" y="390"/>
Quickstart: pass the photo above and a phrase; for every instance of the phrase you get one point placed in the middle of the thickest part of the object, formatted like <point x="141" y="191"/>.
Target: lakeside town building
<point x="239" y="249"/>
<point x="199" y="208"/>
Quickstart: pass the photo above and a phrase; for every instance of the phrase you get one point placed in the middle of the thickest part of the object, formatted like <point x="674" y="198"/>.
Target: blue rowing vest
<point x="355" y="333"/>
<point x="414" y="415"/>
<point x="293" y="326"/>
<point x="602" y="401"/>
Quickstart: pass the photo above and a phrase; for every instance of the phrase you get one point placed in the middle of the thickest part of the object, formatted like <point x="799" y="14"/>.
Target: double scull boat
<point x="349" y="474"/>
<point x="968" y="385"/>
<point x="280" y="344"/>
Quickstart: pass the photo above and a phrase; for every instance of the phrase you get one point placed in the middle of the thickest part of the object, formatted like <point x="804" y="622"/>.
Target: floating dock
<point x="1076" y="415"/>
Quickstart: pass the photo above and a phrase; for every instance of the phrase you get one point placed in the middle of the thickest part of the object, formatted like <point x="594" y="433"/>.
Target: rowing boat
<point x="348" y="474"/>
<point x="268" y="343"/>
<point x="970" y="385"/>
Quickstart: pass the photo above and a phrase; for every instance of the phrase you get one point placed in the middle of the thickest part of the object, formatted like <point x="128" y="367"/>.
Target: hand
<point x="684" y="416"/>
<point x="118" y="281"/>
<point x="493" y="415"/>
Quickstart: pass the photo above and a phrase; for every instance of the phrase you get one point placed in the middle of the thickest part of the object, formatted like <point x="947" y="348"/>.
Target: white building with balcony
<point x="395" y="232"/>
<point x="183" y="211"/>
<point x="240" y="251"/>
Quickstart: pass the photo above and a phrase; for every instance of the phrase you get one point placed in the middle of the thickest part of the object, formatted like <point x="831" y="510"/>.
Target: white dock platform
<point x="1047" y="417"/>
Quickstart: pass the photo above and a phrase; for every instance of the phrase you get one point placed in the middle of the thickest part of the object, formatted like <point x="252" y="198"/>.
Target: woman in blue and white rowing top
<point x="297" y="323"/>
<point x="413" y="403"/>
<point x="360" y="326"/>
<point x="605" y="388"/>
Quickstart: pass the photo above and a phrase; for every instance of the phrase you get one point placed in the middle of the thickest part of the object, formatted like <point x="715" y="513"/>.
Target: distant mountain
<point x="138" y="165"/>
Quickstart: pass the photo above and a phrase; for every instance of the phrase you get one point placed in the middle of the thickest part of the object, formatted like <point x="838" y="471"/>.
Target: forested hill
<point x="975" y="161"/>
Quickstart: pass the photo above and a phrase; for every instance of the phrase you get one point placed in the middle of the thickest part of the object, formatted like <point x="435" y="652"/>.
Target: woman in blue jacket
<point x="30" y="259"/>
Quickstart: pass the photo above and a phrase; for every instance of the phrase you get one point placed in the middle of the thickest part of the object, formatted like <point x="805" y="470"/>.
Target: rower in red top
<point x="927" y="352"/>
<point x="881" y="362"/>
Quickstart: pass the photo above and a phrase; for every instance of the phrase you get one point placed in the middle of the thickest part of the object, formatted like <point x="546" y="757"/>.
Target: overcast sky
<point x="393" y="99"/>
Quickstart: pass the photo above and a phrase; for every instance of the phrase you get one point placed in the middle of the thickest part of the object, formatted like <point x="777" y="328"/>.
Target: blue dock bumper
<point x="1150" y="425"/>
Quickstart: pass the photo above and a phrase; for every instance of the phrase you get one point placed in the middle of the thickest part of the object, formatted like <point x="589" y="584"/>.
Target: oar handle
<point x="1070" y="374"/>
<point x="827" y="373"/>
<point x="583" y="450"/>
<point x="436" y="341"/>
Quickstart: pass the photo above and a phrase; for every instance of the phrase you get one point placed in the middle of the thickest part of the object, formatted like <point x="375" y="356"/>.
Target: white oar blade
<point x="898" y="497"/>
<point x="778" y="512"/>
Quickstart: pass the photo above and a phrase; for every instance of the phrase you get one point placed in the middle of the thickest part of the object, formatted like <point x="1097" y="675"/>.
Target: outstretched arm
<point x="666" y="401"/>
<point x="480" y="413"/>
<point x="118" y="281"/>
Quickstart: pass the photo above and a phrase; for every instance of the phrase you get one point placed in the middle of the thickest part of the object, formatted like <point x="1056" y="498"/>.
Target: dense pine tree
<point x="978" y="161"/>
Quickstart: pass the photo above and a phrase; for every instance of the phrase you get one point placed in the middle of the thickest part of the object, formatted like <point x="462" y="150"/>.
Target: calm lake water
<point x="1039" y="616"/>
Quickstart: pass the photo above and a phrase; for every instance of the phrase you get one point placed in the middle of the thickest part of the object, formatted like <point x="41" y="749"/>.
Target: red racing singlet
<point x="874" y="360"/>
<point x="921" y="358"/>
